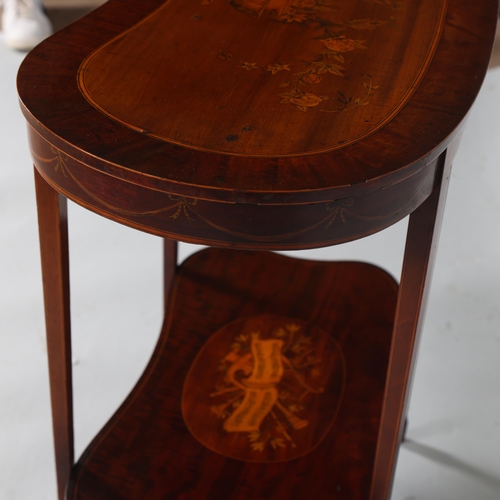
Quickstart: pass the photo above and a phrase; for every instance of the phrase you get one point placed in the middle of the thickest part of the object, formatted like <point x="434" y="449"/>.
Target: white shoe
<point x="24" y="23"/>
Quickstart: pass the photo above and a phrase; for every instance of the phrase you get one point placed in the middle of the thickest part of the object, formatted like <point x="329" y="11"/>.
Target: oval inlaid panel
<point x="265" y="77"/>
<point x="264" y="389"/>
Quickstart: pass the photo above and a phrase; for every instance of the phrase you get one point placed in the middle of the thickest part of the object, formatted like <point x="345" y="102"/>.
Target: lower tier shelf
<point x="267" y="383"/>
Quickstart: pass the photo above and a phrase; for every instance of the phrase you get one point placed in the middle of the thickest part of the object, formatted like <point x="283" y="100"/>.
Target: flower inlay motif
<point x="335" y="40"/>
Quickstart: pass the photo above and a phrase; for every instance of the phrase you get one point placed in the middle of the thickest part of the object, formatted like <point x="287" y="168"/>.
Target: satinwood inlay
<point x="264" y="389"/>
<point x="272" y="77"/>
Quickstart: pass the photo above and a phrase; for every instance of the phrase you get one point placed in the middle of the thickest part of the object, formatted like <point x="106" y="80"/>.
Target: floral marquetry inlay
<point x="265" y="77"/>
<point x="329" y="61"/>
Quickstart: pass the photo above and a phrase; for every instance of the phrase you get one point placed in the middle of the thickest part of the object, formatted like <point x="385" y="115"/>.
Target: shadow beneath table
<point x="432" y="429"/>
<point x="443" y="458"/>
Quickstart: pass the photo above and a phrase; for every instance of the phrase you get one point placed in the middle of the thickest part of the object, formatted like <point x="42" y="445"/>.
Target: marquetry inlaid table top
<point x="279" y="101"/>
<point x="280" y="77"/>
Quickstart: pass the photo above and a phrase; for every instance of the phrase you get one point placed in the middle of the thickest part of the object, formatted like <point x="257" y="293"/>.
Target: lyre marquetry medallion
<point x="264" y="389"/>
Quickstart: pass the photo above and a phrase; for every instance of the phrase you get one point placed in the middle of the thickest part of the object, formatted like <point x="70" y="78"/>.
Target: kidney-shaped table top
<point x="268" y="103"/>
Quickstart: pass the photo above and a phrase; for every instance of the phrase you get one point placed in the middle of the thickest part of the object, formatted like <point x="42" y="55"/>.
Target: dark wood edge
<point x="53" y="230"/>
<point x="169" y="268"/>
<point x="228" y="195"/>
<point x="219" y="224"/>
<point x="241" y="245"/>
<point x="426" y="147"/>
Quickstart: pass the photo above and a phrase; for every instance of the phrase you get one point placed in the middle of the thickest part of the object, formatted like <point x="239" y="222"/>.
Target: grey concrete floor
<point x="453" y="447"/>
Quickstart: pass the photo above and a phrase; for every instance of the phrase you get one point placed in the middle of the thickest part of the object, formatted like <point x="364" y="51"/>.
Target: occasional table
<point x="251" y="126"/>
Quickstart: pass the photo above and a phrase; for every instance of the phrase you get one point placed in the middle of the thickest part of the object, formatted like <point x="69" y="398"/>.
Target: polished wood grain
<point x="242" y="225"/>
<point x="53" y="229"/>
<point x="281" y="77"/>
<point x="59" y="111"/>
<point x="146" y="449"/>
<point x="257" y="125"/>
<point x="421" y="245"/>
<point x="169" y="267"/>
<point x="264" y="389"/>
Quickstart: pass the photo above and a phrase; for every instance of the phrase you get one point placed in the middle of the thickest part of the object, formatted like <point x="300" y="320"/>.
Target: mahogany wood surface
<point x="261" y="125"/>
<point x="169" y="267"/>
<point x="239" y="224"/>
<point x="421" y="244"/>
<point x="146" y="449"/>
<point x="261" y="62"/>
<point x="53" y="230"/>
<point x="128" y="99"/>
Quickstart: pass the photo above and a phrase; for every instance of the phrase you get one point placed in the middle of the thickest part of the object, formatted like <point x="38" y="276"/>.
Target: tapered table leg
<point x="52" y="221"/>
<point x="423" y="231"/>
<point x="169" y="267"/>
